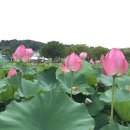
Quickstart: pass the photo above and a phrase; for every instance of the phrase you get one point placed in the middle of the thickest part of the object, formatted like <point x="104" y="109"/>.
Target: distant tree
<point x="126" y="52"/>
<point x="8" y="46"/>
<point x="53" y="49"/>
<point x="7" y="51"/>
<point x="96" y="52"/>
<point x="78" y="48"/>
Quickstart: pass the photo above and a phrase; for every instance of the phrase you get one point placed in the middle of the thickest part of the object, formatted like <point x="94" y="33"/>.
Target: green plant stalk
<point x="71" y="84"/>
<point x="112" y="102"/>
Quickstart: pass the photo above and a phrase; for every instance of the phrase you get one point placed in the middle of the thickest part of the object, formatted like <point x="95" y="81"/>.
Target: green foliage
<point x="7" y="47"/>
<point x="78" y="48"/>
<point x="96" y="106"/>
<point x="38" y="97"/>
<point x="82" y="79"/>
<point x="47" y="78"/>
<point x="126" y="52"/>
<point x="101" y="120"/>
<point x="114" y="126"/>
<point x="123" y="109"/>
<point x="96" y="52"/>
<point x="51" y="111"/>
<point x="53" y="49"/>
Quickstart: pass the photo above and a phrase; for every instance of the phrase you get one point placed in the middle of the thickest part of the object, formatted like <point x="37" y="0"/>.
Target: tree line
<point x="7" y="47"/>
<point x="55" y="49"/>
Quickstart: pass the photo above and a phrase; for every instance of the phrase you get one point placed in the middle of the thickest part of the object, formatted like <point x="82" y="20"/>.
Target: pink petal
<point x="116" y="56"/>
<point x="91" y="61"/>
<point x="12" y="72"/>
<point x="26" y="58"/>
<point x="14" y="56"/>
<point x="83" y="55"/>
<point x="124" y="67"/>
<point x="73" y="62"/>
<point x="70" y="61"/>
<point x="114" y="63"/>
<point x="77" y="65"/>
<point x="63" y="68"/>
<point x="108" y="67"/>
<point x="29" y="52"/>
<point x="20" y="52"/>
<point x="102" y="58"/>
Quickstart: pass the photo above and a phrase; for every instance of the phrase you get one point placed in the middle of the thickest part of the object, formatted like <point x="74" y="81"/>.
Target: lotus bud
<point x="83" y="55"/>
<point x="12" y="72"/>
<point x="72" y="62"/>
<point x="114" y="63"/>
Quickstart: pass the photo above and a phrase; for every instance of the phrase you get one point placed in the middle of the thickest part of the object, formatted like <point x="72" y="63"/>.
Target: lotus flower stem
<point x="112" y="102"/>
<point x="71" y="84"/>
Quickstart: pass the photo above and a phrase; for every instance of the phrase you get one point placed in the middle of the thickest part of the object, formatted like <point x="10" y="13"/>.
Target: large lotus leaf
<point x="123" y="81"/>
<point x="22" y="87"/>
<point x="8" y="87"/>
<point x="25" y="68"/>
<point x="106" y="80"/>
<point x="86" y="70"/>
<point x="122" y="102"/>
<point x="96" y="106"/>
<point x="120" y="95"/>
<point x="14" y="80"/>
<point x="30" y="88"/>
<point x="47" y="78"/>
<point x="120" y="81"/>
<point x="114" y="126"/>
<point x="4" y="63"/>
<point x="2" y="73"/>
<point x="51" y="111"/>
<point x="3" y="82"/>
<point x="82" y="79"/>
<point x="123" y="109"/>
<point x="101" y="120"/>
<point x="42" y="67"/>
<point x="26" y="88"/>
<point x="7" y="93"/>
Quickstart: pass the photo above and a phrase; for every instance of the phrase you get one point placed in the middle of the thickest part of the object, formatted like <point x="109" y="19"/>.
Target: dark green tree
<point x="126" y="52"/>
<point x="7" y="47"/>
<point x="78" y="48"/>
<point x="96" y="52"/>
<point x="53" y="49"/>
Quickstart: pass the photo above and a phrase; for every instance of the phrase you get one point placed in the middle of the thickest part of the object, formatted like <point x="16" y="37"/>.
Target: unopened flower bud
<point x="88" y="101"/>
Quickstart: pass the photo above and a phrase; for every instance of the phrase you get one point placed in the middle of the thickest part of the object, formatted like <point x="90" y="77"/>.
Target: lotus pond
<point x="50" y="97"/>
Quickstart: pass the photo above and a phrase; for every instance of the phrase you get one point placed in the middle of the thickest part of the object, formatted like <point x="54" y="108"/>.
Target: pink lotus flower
<point x="97" y="61"/>
<point x="91" y="61"/>
<point x="114" y="63"/>
<point x="12" y="72"/>
<point x="83" y="55"/>
<point x="72" y="62"/>
<point x="22" y="53"/>
<point x="19" y="53"/>
<point x="28" y="55"/>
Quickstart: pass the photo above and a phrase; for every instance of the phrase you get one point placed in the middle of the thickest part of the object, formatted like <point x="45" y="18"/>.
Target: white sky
<point x="92" y="22"/>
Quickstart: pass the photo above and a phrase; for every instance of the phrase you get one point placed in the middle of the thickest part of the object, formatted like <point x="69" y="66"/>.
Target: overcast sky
<point x="92" y="22"/>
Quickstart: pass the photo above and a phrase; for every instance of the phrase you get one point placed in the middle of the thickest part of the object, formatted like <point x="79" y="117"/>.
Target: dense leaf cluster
<point x="39" y="96"/>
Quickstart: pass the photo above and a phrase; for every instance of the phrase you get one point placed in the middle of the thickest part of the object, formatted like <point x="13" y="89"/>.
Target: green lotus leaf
<point x="114" y="126"/>
<point x="47" y="78"/>
<point x="51" y="111"/>
<point x="83" y="79"/>
<point x="123" y="109"/>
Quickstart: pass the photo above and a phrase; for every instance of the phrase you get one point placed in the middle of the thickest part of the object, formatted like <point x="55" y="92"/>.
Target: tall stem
<point x="112" y="102"/>
<point x="71" y="84"/>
